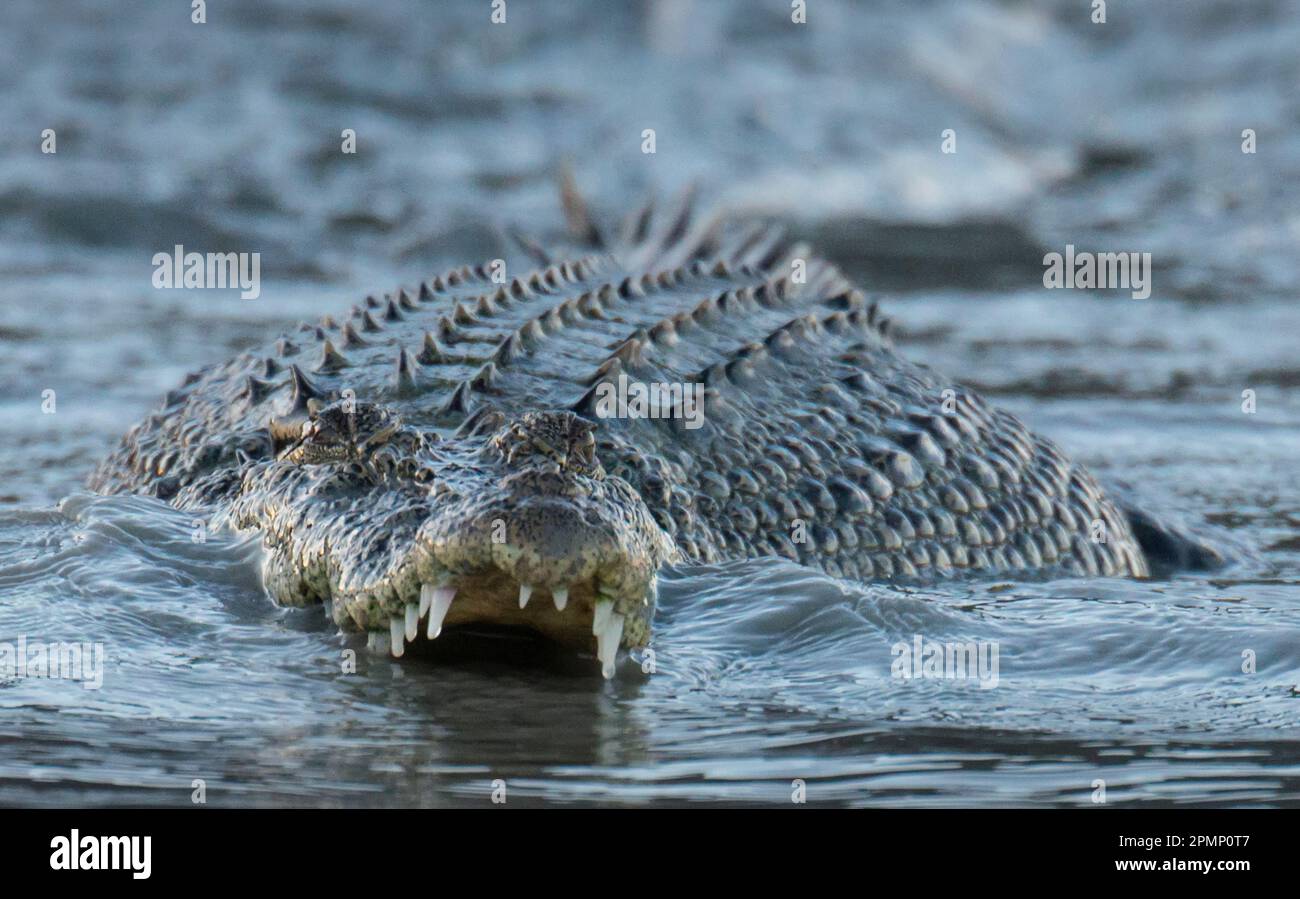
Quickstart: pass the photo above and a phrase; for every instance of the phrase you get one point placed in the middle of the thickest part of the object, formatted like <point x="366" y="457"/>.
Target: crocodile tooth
<point x="328" y="604"/>
<point x="412" y="620"/>
<point x="439" y="602"/>
<point x="426" y="599"/>
<point x="525" y="591"/>
<point x="561" y="597"/>
<point x="604" y="608"/>
<point x="396" y="627"/>
<point x="607" y="643"/>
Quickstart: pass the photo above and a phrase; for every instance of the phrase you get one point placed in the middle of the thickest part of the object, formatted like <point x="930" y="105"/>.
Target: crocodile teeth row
<point x="606" y="625"/>
<point x="559" y="596"/>
<point x="403" y="629"/>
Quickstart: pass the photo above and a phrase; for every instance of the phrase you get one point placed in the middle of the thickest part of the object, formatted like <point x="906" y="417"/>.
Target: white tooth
<point x="604" y="608"/>
<point x="412" y="621"/>
<point x="395" y="628"/>
<point x="561" y="597"/>
<point x="607" y="644"/>
<point x="329" y="608"/>
<point x="377" y="641"/>
<point x="425" y="599"/>
<point x="439" y="602"/>
<point x="525" y="591"/>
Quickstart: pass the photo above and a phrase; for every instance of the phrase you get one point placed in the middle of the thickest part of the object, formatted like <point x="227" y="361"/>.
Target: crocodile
<point x="680" y="388"/>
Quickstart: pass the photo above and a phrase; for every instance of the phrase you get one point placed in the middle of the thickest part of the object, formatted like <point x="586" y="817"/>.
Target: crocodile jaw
<point x="570" y="556"/>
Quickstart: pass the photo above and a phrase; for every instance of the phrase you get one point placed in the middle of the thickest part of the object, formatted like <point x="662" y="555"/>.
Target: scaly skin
<point x="470" y="452"/>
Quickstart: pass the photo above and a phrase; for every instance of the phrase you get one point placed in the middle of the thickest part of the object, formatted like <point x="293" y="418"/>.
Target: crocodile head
<point x="402" y="532"/>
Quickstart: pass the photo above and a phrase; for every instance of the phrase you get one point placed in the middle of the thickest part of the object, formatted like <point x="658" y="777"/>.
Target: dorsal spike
<point x="630" y="287"/>
<point x="303" y="390"/>
<point x="552" y="321"/>
<point x="302" y="385"/>
<point x="484" y="421"/>
<point x="530" y="334"/>
<point x="459" y="402"/>
<point x="331" y="360"/>
<point x="714" y="375"/>
<point x="631" y="352"/>
<point x="256" y="389"/>
<point x="664" y="333"/>
<point x="848" y="300"/>
<point x="510" y="349"/>
<point x="372" y="302"/>
<point x="462" y="316"/>
<point x="369" y="324"/>
<point x="405" y="378"/>
<point x="837" y="323"/>
<point x="706" y="311"/>
<point x="587" y="405"/>
<point x="607" y="370"/>
<point x="570" y="312"/>
<point x="391" y="312"/>
<point x="430" y="352"/>
<point x="405" y="301"/>
<point x="270" y="367"/>
<point x="351" y="338"/>
<point x="485" y="380"/>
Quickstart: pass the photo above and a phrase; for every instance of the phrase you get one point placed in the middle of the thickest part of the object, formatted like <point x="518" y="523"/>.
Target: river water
<point x="1123" y="136"/>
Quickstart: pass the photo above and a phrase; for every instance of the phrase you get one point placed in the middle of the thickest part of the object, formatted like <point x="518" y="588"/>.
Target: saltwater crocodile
<point x="446" y="455"/>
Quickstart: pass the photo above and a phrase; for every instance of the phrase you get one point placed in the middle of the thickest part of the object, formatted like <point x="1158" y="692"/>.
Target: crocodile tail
<point x="1171" y="544"/>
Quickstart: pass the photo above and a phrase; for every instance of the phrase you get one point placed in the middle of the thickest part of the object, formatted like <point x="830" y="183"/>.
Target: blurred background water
<point x="225" y="136"/>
